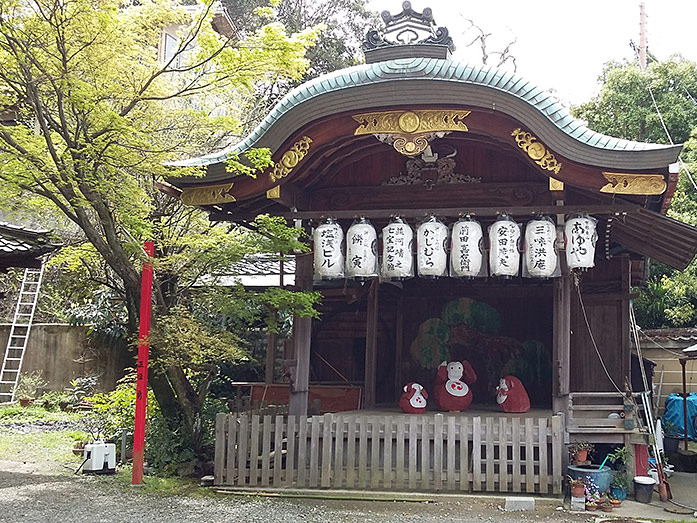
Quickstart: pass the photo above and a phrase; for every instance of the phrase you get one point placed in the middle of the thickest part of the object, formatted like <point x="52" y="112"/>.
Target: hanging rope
<point x="637" y="346"/>
<point x="674" y="353"/>
<point x="590" y="333"/>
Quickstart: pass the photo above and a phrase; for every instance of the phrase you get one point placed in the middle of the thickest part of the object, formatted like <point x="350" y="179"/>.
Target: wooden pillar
<point x="270" y="357"/>
<point x="399" y="342"/>
<point x="562" y="344"/>
<point x="302" y="334"/>
<point x="371" y="346"/>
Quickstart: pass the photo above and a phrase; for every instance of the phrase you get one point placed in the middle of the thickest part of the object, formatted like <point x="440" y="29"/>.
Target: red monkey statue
<point x="413" y="401"/>
<point x="451" y="391"/>
<point x="511" y="395"/>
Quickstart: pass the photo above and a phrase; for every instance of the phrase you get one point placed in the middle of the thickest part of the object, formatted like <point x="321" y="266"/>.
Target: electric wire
<point x="665" y="128"/>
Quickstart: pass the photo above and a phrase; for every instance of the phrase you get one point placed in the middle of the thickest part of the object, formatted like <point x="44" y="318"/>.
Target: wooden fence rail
<point x="429" y="453"/>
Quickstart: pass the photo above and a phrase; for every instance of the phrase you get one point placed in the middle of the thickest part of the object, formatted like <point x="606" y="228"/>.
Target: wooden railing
<point x="401" y="452"/>
<point x="601" y="412"/>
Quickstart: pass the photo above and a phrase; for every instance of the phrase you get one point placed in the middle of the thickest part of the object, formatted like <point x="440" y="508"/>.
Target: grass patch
<point x="31" y="414"/>
<point x="40" y="447"/>
<point x="163" y="486"/>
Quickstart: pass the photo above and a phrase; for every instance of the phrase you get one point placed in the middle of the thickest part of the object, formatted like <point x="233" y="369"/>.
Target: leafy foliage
<point x="98" y="118"/>
<point x="29" y="383"/>
<point x="625" y="108"/>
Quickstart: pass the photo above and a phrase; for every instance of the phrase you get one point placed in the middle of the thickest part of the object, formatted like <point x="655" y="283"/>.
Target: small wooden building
<point x="413" y="134"/>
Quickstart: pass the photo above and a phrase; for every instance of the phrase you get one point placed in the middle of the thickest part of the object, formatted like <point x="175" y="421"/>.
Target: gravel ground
<point x="32" y="492"/>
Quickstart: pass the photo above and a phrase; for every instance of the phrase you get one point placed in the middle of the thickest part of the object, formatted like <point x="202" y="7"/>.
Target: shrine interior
<point x="500" y="327"/>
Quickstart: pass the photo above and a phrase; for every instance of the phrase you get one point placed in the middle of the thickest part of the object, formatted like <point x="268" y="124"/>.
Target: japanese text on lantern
<point x="431" y="240"/>
<point x="542" y="243"/>
<point x="395" y="247"/>
<point x="580" y="241"/>
<point x="361" y="255"/>
<point x="329" y="260"/>
<point x="506" y="240"/>
<point x="465" y="259"/>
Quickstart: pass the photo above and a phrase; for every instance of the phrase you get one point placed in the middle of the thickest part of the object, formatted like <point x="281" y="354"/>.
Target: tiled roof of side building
<point x="19" y="241"/>
<point x="437" y="70"/>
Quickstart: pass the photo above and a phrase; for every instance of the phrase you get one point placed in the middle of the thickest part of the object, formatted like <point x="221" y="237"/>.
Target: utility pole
<point x="642" y="36"/>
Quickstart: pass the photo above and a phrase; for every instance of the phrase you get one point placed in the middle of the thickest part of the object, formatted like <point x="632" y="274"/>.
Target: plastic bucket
<point x="643" y="488"/>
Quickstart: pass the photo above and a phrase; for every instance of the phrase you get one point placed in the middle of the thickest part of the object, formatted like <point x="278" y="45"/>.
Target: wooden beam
<point x="302" y="335"/>
<point x="449" y="212"/>
<point x="371" y="346"/>
<point x="289" y="195"/>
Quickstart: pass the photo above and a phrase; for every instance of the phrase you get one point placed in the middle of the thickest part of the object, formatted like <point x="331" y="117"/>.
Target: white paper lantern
<point x="540" y="247"/>
<point x="397" y="258"/>
<point x="581" y="237"/>
<point x="361" y="250"/>
<point x="467" y="252"/>
<point x="329" y="258"/>
<point x="432" y="248"/>
<point x="504" y="252"/>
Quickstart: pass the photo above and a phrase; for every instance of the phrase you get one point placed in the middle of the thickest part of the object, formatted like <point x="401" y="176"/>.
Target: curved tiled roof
<point x="446" y="73"/>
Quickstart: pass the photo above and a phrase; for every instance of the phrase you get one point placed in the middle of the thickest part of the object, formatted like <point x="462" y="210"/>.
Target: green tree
<point x="95" y="116"/>
<point x="344" y="25"/>
<point x="625" y="108"/>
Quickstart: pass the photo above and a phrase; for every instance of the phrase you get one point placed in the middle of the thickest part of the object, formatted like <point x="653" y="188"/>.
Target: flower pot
<point x="606" y="508"/>
<point x="23" y="402"/>
<point x="578" y="491"/>
<point x="618" y="493"/>
<point x="591" y="506"/>
<point x="581" y="455"/>
<point x="600" y="477"/>
<point x="670" y="444"/>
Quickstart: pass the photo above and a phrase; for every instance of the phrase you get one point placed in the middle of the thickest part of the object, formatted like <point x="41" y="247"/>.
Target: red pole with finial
<point x="142" y="367"/>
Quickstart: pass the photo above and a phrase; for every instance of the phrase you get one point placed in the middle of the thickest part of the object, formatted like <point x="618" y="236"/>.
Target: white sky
<point x="562" y="45"/>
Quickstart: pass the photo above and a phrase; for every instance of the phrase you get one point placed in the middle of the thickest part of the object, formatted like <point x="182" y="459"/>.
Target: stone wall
<point x="63" y="353"/>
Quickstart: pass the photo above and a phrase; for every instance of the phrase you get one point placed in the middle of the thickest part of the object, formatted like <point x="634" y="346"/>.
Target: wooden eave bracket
<point x="289" y="195"/>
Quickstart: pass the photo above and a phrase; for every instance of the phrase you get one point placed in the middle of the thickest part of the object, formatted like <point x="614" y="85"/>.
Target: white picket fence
<point x="400" y="452"/>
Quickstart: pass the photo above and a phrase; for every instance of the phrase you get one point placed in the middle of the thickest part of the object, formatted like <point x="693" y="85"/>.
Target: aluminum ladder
<point x="19" y="333"/>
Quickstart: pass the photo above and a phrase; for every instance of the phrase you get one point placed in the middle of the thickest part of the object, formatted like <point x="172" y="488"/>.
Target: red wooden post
<point x="142" y="368"/>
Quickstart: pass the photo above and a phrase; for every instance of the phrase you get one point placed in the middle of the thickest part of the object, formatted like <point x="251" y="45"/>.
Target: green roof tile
<point x="435" y="70"/>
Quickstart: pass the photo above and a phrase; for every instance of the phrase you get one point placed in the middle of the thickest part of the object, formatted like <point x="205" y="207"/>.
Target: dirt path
<point x="37" y="492"/>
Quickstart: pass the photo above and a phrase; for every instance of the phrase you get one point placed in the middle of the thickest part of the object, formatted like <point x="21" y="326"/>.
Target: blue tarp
<point x="674" y="415"/>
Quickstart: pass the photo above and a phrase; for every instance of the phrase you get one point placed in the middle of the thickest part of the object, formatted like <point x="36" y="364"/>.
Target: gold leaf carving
<point x="274" y="192"/>
<point x="208" y="195"/>
<point x="290" y="159"/>
<point x="536" y="151"/>
<point x="555" y="185"/>
<point x="624" y="183"/>
<point x="410" y="147"/>
<point x="410" y="122"/>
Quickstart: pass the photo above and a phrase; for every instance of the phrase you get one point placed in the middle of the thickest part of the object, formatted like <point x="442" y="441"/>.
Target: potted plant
<point x="577" y="486"/>
<point x="579" y="450"/>
<point x="593" y="498"/>
<point x="27" y="387"/>
<point x="620" y="479"/>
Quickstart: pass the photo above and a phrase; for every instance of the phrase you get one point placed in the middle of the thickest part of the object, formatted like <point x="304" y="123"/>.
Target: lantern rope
<point x="590" y="332"/>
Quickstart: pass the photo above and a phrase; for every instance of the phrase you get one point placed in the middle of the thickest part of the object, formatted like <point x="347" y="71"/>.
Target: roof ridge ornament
<point x="408" y="28"/>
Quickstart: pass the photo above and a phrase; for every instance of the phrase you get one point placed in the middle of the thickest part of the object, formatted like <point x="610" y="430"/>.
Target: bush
<point x="52" y="400"/>
<point x="28" y="384"/>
